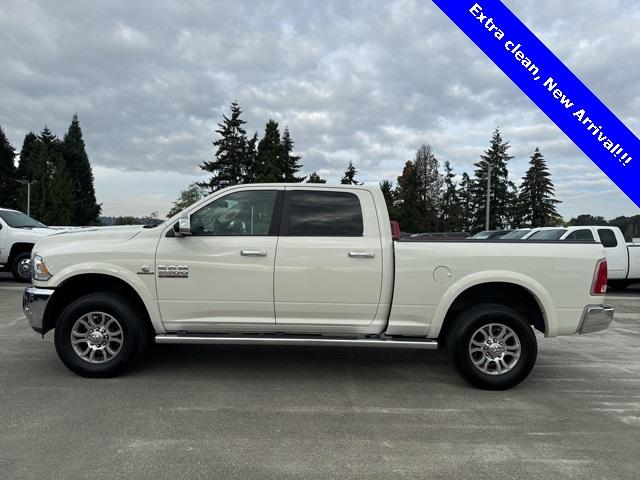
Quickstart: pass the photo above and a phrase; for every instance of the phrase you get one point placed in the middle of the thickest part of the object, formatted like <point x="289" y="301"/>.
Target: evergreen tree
<point x="430" y="183"/>
<point x="291" y="165"/>
<point x="270" y="160"/>
<point x="450" y="212"/>
<point x="60" y="206"/>
<point x="249" y="166"/>
<point x="47" y="156"/>
<point x="389" y="194"/>
<point x="497" y="157"/>
<point x="230" y="164"/>
<point x="514" y="210"/>
<point x="419" y="191"/>
<point x="194" y="193"/>
<point x="465" y="197"/>
<point x="537" y="195"/>
<point x="315" y="178"/>
<point x="408" y="200"/>
<point x="27" y="168"/>
<point x="86" y="210"/>
<point x="8" y="184"/>
<point x="349" y="177"/>
<point x="28" y="154"/>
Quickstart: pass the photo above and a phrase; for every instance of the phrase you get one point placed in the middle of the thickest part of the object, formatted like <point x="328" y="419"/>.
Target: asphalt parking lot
<point x="265" y="412"/>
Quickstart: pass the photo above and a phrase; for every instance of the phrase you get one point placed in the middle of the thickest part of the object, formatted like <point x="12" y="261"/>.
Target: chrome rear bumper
<point x="34" y="303"/>
<point x="595" y="318"/>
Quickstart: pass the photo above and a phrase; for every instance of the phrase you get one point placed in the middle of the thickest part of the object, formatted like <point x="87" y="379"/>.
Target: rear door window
<point x="553" y="234"/>
<point x="323" y="214"/>
<point x="583" y="234"/>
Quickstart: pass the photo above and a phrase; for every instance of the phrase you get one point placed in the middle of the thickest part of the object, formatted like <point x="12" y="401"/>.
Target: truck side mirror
<point x="182" y="227"/>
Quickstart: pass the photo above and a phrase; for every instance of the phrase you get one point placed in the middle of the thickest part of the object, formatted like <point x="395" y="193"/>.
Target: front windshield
<point x="482" y="235"/>
<point x="554" y="234"/>
<point x="19" y="220"/>
<point x="515" y="235"/>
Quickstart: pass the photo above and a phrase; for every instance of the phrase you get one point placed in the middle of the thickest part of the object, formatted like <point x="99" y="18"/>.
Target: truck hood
<point x="31" y="235"/>
<point x="66" y="239"/>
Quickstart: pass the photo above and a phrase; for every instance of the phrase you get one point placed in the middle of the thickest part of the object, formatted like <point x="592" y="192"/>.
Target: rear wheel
<point x="493" y="347"/>
<point x="618" y="284"/>
<point x="100" y="335"/>
<point x="21" y="267"/>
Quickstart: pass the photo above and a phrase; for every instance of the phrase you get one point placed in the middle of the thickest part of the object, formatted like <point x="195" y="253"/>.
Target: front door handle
<point x="362" y="254"/>
<point x="253" y="253"/>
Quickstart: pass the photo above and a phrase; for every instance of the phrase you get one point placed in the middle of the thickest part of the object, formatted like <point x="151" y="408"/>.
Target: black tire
<point x="458" y="343"/>
<point x="618" y="284"/>
<point x="17" y="270"/>
<point x="135" y="335"/>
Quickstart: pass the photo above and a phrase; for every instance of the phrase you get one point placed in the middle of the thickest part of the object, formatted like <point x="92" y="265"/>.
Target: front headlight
<point x="39" y="269"/>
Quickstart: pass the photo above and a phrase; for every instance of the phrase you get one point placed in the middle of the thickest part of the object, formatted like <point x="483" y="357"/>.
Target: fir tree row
<point x="239" y="159"/>
<point x="425" y="200"/>
<point x="62" y="191"/>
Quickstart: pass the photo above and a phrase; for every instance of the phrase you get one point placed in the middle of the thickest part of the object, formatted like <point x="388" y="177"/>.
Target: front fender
<point x="463" y="284"/>
<point x="144" y="286"/>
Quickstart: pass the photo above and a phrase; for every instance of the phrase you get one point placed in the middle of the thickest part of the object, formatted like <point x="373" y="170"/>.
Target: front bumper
<point x="34" y="303"/>
<point x="595" y="318"/>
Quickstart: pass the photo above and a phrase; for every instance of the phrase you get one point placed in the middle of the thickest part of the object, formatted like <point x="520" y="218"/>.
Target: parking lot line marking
<point x="11" y="288"/>
<point x="620" y="297"/>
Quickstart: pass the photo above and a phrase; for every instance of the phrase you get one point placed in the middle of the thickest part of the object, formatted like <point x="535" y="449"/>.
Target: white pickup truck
<point x="623" y="259"/>
<point x="18" y="234"/>
<point x="309" y="265"/>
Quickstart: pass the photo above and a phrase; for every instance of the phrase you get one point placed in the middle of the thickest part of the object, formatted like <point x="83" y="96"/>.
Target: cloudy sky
<point x="366" y="81"/>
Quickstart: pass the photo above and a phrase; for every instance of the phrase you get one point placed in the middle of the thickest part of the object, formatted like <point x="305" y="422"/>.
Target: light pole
<point x="28" y="184"/>
<point x="488" y="206"/>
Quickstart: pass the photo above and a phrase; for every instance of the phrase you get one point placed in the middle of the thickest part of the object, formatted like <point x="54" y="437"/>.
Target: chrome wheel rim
<point x="97" y="337"/>
<point x="24" y="268"/>
<point x="495" y="349"/>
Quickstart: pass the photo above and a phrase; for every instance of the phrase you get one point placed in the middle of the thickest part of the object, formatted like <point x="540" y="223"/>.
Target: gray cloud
<point x="356" y="80"/>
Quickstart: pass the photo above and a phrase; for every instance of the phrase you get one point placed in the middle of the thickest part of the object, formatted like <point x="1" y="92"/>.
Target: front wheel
<point x="21" y="267"/>
<point x="100" y="335"/>
<point x="493" y="347"/>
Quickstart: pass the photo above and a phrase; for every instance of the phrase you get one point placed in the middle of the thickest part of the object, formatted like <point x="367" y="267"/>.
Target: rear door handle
<point x="362" y="254"/>
<point x="253" y="253"/>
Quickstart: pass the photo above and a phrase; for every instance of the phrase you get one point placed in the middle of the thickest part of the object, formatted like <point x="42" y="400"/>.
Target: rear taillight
<point x="600" y="279"/>
<point x="395" y="230"/>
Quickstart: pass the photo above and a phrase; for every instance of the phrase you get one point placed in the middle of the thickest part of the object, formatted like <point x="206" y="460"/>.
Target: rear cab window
<point x="607" y="238"/>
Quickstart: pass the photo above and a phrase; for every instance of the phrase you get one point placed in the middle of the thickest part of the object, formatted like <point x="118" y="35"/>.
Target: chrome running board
<point x="192" y="339"/>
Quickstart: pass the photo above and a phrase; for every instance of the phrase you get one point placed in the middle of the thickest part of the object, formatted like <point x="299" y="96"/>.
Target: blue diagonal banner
<point x="551" y="86"/>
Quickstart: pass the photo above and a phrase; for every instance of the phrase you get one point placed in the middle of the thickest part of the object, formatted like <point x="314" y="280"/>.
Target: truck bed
<point x="559" y="274"/>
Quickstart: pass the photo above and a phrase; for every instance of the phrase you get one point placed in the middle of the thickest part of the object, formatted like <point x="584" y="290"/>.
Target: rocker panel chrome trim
<point x="266" y="340"/>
